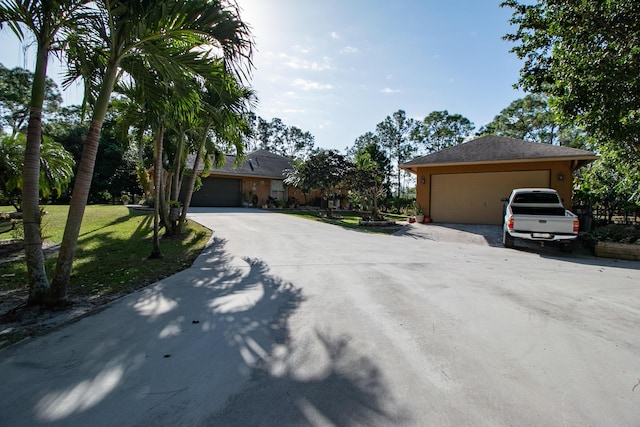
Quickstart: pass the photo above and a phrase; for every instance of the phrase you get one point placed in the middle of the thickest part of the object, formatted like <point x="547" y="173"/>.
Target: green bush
<point x="617" y="233"/>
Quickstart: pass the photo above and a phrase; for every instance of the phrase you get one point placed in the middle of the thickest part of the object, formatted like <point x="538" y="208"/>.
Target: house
<point x="465" y="183"/>
<point x="258" y="178"/>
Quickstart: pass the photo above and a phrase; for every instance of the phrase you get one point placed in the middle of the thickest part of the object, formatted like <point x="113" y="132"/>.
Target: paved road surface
<point x="284" y="321"/>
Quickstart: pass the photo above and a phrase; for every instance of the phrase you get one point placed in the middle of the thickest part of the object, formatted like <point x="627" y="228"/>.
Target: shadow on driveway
<point x="174" y="354"/>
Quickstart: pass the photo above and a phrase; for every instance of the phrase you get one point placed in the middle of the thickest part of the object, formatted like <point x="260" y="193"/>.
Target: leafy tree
<point x="441" y="130"/>
<point x="277" y="137"/>
<point x="325" y="171"/>
<point x="529" y="118"/>
<point x="367" y="182"/>
<point x="15" y="95"/>
<point x="48" y="22"/>
<point x="585" y="56"/>
<point x="394" y="134"/>
<point x="612" y="182"/>
<point x="368" y="146"/>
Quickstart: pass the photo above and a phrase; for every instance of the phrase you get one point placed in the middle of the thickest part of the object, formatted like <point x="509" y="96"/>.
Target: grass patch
<point x="113" y="247"/>
<point x="348" y="219"/>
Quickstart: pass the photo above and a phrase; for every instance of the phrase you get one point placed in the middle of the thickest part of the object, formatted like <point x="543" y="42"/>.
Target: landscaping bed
<point x="618" y="241"/>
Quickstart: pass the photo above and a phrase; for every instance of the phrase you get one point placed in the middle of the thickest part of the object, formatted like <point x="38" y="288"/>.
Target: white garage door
<point x="475" y="198"/>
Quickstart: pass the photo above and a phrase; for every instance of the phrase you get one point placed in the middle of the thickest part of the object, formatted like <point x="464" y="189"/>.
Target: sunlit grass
<point x="112" y="253"/>
<point x="347" y="219"/>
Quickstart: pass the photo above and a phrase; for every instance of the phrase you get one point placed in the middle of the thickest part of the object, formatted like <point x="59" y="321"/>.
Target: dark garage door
<point x="219" y="192"/>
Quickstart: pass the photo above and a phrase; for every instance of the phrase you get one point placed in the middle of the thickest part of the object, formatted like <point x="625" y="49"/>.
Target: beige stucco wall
<point x="556" y="168"/>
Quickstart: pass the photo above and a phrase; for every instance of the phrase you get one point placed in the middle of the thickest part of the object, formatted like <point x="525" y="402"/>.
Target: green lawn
<point x="347" y="219"/>
<point x="112" y="251"/>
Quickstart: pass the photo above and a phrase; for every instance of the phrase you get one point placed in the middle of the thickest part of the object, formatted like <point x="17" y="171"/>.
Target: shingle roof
<point x="497" y="149"/>
<point x="259" y="163"/>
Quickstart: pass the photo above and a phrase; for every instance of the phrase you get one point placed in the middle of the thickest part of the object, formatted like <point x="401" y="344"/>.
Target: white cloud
<point x="310" y="85"/>
<point x="293" y="110"/>
<point x="298" y="63"/>
<point x="300" y="49"/>
<point x="389" y="76"/>
<point x="389" y="90"/>
<point x="348" y="50"/>
<point x="335" y="36"/>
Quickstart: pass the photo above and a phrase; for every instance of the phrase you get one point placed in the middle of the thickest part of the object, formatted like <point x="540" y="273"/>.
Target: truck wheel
<point x="507" y="239"/>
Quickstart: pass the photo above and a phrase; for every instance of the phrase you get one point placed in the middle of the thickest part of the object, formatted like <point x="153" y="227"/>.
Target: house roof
<point x="259" y="163"/>
<point x="499" y="149"/>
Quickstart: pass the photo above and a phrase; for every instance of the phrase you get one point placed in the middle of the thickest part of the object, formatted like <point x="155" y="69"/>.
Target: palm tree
<point x="47" y="21"/>
<point x="224" y="114"/>
<point x="149" y="29"/>
<point x="56" y="165"/>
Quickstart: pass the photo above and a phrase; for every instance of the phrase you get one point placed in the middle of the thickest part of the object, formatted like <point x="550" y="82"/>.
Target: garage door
<point x="474" y="198"/>
<point x="218" y="192"/>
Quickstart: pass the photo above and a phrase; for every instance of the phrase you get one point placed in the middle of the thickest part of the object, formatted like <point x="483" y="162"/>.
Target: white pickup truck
<point x="538" y="214"/>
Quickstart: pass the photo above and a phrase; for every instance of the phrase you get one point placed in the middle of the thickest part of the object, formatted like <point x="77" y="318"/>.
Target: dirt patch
<point x="19" y="320"/>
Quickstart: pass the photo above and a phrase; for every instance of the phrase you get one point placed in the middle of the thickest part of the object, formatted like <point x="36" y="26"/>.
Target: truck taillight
<point x="510" y="224"/>
<point x="576" y="225"/>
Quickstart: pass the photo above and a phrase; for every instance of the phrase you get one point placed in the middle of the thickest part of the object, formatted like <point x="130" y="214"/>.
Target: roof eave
<point x="582" y="160"/>
<point x="241" y="175"/>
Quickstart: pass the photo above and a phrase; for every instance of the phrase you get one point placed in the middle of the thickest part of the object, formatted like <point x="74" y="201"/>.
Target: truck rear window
<point x="536" y="198"/>
<point x="535" y="210"/>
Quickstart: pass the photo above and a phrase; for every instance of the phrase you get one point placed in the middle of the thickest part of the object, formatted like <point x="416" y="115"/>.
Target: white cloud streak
<point x="310" y="85"/>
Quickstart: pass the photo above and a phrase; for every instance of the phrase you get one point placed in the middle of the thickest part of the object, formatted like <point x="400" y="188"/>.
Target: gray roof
<point x="499" y="149"/>
<point x="259" y="163"/>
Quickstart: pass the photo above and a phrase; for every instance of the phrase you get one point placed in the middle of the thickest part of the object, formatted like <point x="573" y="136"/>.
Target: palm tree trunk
<point x="60" y="284"/>
<point x="192" y="183"/>
<point x="34" y="257"/>
<point x="157" y="193"/>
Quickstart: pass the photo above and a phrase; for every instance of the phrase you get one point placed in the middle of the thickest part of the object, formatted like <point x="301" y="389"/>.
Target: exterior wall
<point x="258" y="187"/>
<point x="557" y="168"/>
<point x="261" y="188"/>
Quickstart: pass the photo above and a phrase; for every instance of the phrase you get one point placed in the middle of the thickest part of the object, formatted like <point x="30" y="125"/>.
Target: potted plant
<point x="419" y="214"/>
<point x="174" y="210"/>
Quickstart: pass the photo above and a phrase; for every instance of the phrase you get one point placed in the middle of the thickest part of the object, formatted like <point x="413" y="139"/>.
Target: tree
<point x="224" y="119"/>
<point x="288" y="141"/>
<point x="15" y="92"/>
<point x="584" y="56"/>
<point x="612" y="182"/>
<point x="394" y="134"/>
<point x="441" y="130"/>
<point x="367" y="181"/>
<point x="154" y="30"/>
<point x="325" y="171"/>
<point x="368" y="145"/>
<point x="56" y="166"/>
<point x="48" y="22"/>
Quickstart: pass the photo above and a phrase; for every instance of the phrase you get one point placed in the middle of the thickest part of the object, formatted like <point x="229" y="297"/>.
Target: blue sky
<point x="336" y="68"/>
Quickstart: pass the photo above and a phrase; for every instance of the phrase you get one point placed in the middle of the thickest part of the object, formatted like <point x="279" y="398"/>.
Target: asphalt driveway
<point x="285" y="321"/>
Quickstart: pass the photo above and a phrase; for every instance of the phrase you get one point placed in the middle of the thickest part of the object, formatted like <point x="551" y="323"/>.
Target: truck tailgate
<point x="548" y="225"/>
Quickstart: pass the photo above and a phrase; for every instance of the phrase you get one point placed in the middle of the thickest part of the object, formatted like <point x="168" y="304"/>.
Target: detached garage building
<point x="465" y="183"/>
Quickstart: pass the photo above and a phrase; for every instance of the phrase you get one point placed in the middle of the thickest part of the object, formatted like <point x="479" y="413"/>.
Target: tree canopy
<point x="585" y="56"/>
<point x="15" y="95"/>
<point x="439" y="130"/>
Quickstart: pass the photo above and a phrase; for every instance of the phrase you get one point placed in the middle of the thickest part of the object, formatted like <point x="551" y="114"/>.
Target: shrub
<point x="618" y="233"/>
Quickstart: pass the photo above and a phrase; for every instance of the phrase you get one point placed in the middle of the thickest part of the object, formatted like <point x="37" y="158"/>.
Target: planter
<point x="618" y="250"/>
<point x="174" y="214"/>
<point x="419" y="218"/>
<point x="383" y="223"/>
